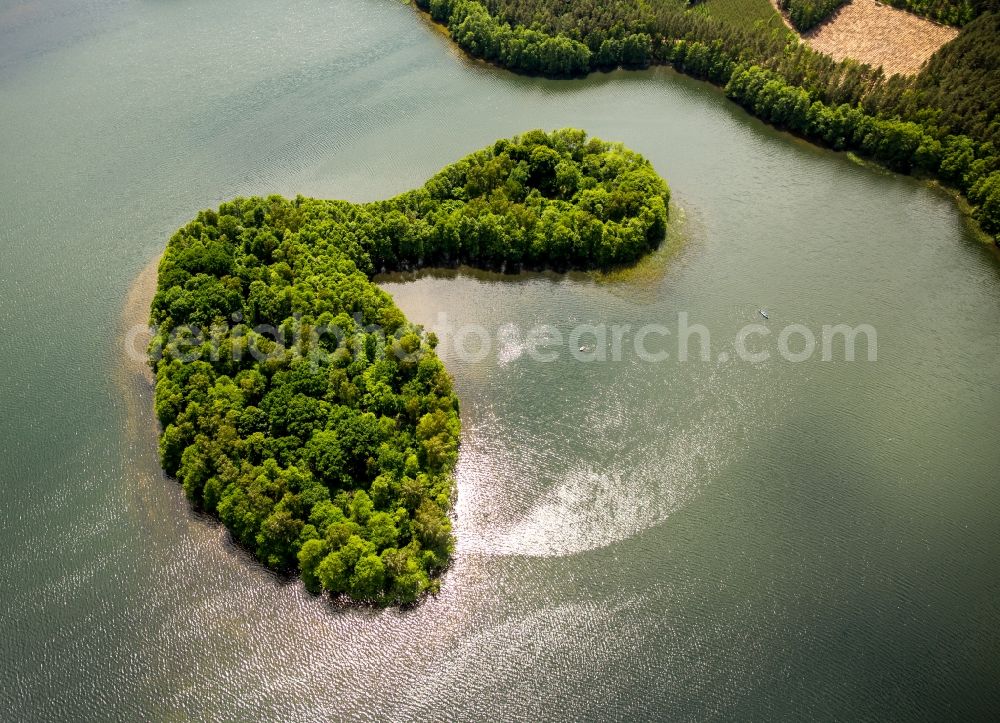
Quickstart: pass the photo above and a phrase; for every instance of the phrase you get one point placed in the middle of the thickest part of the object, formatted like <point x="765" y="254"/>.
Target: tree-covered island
<point x="298" y="404"/>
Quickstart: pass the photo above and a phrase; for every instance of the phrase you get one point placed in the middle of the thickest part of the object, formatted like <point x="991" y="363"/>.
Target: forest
<point x="807" y="14"/>
<point x="296" y="402"/>
<point x="948" y="12"/>
<point x="943" y="122"/>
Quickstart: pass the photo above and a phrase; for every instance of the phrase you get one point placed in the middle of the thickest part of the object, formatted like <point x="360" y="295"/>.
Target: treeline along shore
<point x="942" y="122"/>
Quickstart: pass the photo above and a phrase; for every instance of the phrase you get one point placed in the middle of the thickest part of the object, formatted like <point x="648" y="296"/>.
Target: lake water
<point x="636" y="539"/>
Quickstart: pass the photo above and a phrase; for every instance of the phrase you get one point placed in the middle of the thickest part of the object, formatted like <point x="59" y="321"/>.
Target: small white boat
<point x="763" y="312"/>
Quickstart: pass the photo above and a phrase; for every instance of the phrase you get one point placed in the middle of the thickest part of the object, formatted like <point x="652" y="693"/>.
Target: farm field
<point x="878" y="34"/>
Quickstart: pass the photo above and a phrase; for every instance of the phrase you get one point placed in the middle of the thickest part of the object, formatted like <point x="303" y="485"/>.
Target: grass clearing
<point x="741" y="12"/>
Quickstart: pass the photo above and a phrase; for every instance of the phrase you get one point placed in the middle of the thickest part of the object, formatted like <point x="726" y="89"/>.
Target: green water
<point x="701" y="540"/>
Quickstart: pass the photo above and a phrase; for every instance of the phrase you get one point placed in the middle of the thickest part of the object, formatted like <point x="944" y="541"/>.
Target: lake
<point x="636" y="539"/>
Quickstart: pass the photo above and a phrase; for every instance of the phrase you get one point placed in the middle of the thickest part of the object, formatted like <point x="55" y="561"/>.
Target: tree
<point x="368" y="578"/>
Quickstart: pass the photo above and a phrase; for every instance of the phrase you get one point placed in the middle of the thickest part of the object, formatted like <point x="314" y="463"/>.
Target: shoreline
<point x="963" y="204"/>
<point x="135" y="313"/>
<point x="144" y="490"/>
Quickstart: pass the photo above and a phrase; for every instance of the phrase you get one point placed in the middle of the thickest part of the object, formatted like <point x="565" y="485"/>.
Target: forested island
<point x="943" y="122"/>
<point x="297" y="403"/>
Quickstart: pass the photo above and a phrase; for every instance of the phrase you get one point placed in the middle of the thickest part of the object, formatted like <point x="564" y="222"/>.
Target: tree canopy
<point x="807" y="14"/>
<point x="950" y="12"/>
<point x="298" y="404"/>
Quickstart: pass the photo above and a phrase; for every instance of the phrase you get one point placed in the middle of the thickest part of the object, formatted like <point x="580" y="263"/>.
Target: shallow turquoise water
<point x="687" y="540"/>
